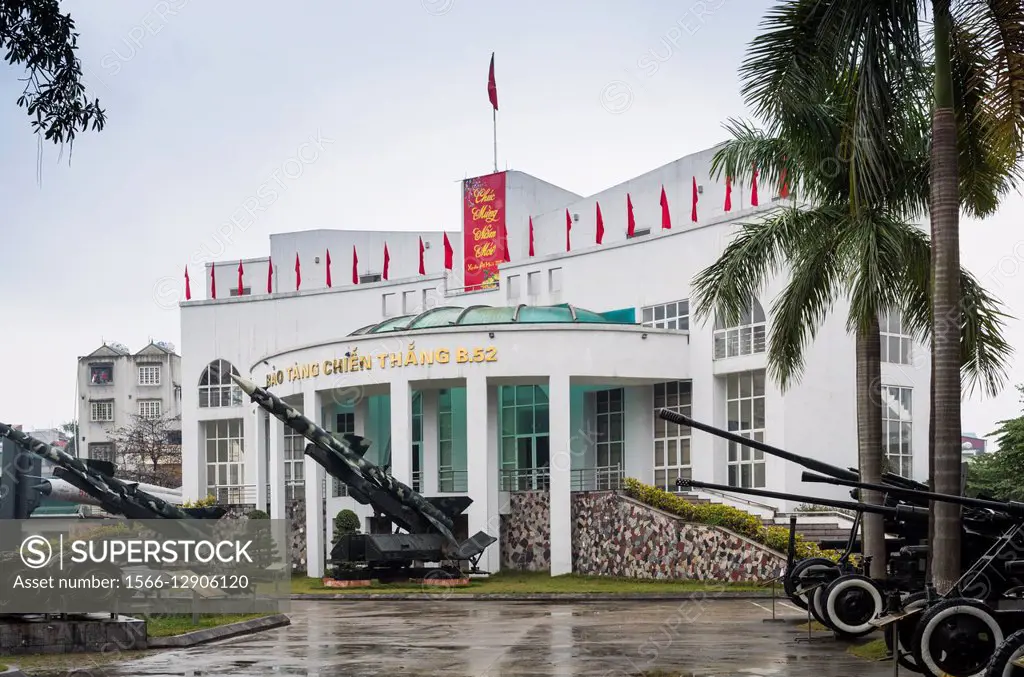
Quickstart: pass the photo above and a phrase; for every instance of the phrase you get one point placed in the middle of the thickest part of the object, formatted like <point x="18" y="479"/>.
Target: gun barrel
<point x="809" y="463"/>
<point x="1012" y="507"/>
<point x="899" y="512"/>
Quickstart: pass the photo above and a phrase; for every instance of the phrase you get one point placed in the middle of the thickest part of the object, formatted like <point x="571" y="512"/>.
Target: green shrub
<point x="345" y="522"/>
<point x="726" y="516"/>
<point x="258" y="515"/>
<point x="201" y="503"/>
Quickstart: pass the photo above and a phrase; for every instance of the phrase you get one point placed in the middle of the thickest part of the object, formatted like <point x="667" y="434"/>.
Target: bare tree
<point x="145" y="450"/>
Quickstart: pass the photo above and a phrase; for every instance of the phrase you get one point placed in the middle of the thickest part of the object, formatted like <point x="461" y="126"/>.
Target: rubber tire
<point x="792" y="582"/>
<point x="908" y="627"/>
<point x="945" y="608"/>
<point x="1012" y="648"/>
<point x="842" y="584"/>
<point x="818" y="611"/>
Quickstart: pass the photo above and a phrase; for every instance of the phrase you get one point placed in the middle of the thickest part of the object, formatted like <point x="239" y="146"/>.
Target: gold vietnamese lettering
<point x="411" y="357"/>
<point x="483" y="195"/>
<point x="485" y="213"/>
<point x="488" y="232"/>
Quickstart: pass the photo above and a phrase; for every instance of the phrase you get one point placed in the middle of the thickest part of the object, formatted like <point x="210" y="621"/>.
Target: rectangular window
<point x="747" y="337"/>
<point x="417" y="440"/>
<point x="233" y="291"/>
<point x="369" y="279"/>
<point x="294" y="465"/>
<point x="610" y="416"/>
<point x="388" y="304"/>
<point x="449" y="480"/>
<point x="672" y="442"/>
<point x="745" y="412"/>
<point x="675" y="315"/>
<point x="344" y="424"/>
<point x="410" y="301"/>
<point x="102" y="452"/>
<point x="533" y="283"/>
<point x="149" y="375"/>
<point x="225" y="466"/>
<point x="101" y="410"/>
<point x="149" y="408"/>
<point x="555" y="280"/>
<point x="896" y="343"/>
<point x="639" y="232"/>
<point x="525" y="451"/>
<point x="513" y="287"/>
<point x="897" y="429"/>
<point x="101" y="374"/>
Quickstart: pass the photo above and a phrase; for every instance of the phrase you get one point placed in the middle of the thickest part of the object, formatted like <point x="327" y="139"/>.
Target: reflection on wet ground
<point x="488" y="639"/>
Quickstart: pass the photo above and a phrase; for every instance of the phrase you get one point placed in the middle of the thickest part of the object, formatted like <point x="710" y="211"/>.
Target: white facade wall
<point x="816" y="417"/>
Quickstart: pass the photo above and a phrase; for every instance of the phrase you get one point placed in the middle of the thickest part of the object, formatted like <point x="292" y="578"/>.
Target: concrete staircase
<point x="813" y="527"/>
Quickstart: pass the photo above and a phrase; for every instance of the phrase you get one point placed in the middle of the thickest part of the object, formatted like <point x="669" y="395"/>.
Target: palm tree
<point x="842" y="246"/>
<point x="975" y="64"/>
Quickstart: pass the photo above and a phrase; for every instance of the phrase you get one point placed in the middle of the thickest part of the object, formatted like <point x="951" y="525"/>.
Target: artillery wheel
<point x="1008" y="651"/>
<point x="850" y="603"/>
<point x="956" y="637"/>
<point x="794" y="579"/>
<point x="905" y="632"/>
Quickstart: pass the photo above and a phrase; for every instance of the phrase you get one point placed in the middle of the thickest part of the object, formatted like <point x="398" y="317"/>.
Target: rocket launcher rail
<point x="900" y="512"/>
<point x="809" y="463"/>
<point x="1013" y="508"/>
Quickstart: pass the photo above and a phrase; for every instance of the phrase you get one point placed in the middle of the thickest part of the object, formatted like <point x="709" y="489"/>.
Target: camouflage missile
<point x="113" y="495"/>
<point x="342" y="457"/>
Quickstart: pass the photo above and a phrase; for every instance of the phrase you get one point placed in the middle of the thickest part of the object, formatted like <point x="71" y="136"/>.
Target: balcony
<point x="601" y="478"/>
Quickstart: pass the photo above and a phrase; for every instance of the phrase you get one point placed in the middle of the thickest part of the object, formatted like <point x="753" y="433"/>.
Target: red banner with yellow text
<point x="483" y="222"/>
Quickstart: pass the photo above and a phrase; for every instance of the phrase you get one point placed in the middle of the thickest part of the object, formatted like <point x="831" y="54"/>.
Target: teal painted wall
<point x="459" y="453"/>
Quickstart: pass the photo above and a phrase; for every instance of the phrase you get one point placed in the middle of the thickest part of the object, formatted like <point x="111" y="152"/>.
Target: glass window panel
<point x="732" y="389"/>
<point x="758" y="381"/>
<point x="758" y="412"/>
<point x="444" y="453"/>
<point x="659" y="312"/>
<point x="659" y="480"/>
<point x="508" y="421"/>
<point x="417" y="428"/>
<point x="444" y="426"/>
<point x="616" y="453"/>
<point x="222" y="451"/>
<point x="746" y="418"/>
<point x="543" y="452"/>
<point x="540" y="394"/>
<point x="759" y="474"/>
<point x="746" y="383"/>
<point x="540" y="419"/>
<point x="524" y="394"/>
<point x="733" y="475"/>
<point x="524" y="420"/>
<point x="684" y="452"/>
<point x="719" y="346"/>
<point x="744" y="453"/>
<point x="733" y="452"/>
<point x="615" y="399"/>
<point x="659" y="453"/>
<point x="647" y="314"/>
<point x="905" y="351"/>
<point x="615" y="434"/>
<point x="659" y="426"/>
<point x="524" y="452"/>
<point x="211" y="475"/>
<point x="745" y="476"/>
<point x="734" y="415"/>
<point x="508" y="395"/>
<point x="670" y="450"/>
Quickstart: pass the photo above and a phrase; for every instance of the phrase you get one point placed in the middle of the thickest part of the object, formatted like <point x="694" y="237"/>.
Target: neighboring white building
<point x="114" y="384"/>
<point x="482" y="391"/>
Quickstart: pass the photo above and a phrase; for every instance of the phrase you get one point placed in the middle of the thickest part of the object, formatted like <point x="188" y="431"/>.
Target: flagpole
<point x="494" y="116"/>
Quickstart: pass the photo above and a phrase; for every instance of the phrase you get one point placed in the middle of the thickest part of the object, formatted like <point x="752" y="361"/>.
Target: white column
<point x="401" y="431"/>
<point x="638" y="421"/>
<point x="429" y="466"/>
<point x="258" y="421"/>
<point x="560" y="493"/>
<point x="314" y="476"/>
<point x="250" y="460"/>
<point x="482" y="465"/>
<point x="276" y="450"/>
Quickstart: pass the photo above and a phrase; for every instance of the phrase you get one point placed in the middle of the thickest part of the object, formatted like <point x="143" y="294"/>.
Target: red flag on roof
<point x="270" y="275"/>
<point x="600" y="225"/>
<point x="492" y="86"/>
<point x="387" y="262"/>
<point x="355" y="264"/>
<point x="329" y="285"/>
<point x="241" y="271"/>
<point x="213" y="281"/>
<point x="753" y="189"/>
<point x="188" y="287"/>
<point x="568" y="230"/>
<point x="728" y="193"/>
<point x="531" y="236"/>
<point x="298" y="272"/>
<point x="423" y="265"/>
<point x="449" y="253"/>
<point x="630" y="219"/>
<point x="666" y="218"/>
<point x="505" y="255"/>
<point x="693" y="207"/>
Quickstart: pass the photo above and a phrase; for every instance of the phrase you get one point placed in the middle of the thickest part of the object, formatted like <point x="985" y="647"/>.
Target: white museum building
<point x="541" y="372"/>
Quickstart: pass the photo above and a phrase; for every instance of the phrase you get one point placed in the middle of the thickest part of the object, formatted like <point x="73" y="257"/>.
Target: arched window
<point x="216" y="389"/>
<point x="744" y="338"/>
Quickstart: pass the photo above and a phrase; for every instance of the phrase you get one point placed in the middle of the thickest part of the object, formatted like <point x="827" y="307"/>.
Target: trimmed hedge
<point x="726" y="516"/>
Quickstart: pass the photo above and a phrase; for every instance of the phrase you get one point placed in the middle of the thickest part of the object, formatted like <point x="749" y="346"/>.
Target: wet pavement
<point x="709" y="638"/>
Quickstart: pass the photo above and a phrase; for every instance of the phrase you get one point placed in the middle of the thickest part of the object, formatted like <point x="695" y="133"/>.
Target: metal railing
<point x="233" y="494"/>
<point x="452" y="481"/>
<point x="600" y="478"/>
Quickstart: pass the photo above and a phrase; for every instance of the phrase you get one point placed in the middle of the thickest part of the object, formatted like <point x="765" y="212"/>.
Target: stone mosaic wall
<point x="617" y="536"/>
<point x="525" y="537"/>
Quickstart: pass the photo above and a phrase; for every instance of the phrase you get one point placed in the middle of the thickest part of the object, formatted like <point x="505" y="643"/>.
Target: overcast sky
<point x="209" y="100"/>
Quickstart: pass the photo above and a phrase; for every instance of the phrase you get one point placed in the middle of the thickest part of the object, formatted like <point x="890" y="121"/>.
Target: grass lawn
<point x="536" y="582"/>
<point x="873" y="651"/>
<point x="178" y="624"/>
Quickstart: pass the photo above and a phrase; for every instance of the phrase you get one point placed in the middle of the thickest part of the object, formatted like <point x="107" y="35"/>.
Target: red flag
<point x="298" y="272"/>
<point x="387" y="262"/>
<point x="531" y="236"/>
<point x="492" y="86"/>
<point x="329" y="269"/>
<point x="213" y="281"/>
<point x="355" y="264"/>
<point x="753" y="189"/>
<point x="728" y="193"/>
<point x="630" y="219"/>
<point x="423" y="266"/>
<point x="666" y="218"/>
<point x="693" y="208"/>
<point x="568" y="230"/>
<point x="784" y="193"/>
<point x="240" y="272"/>
<point x="270" y="275"/>
<point x="504" y="244"/>
<point x="600" y="224"/>
<point x="188" y="286"/>
<point x="449" y="253"/>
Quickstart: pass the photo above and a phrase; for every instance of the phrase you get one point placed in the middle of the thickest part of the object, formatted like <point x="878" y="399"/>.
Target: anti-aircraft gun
<point x="429" y="523"/>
